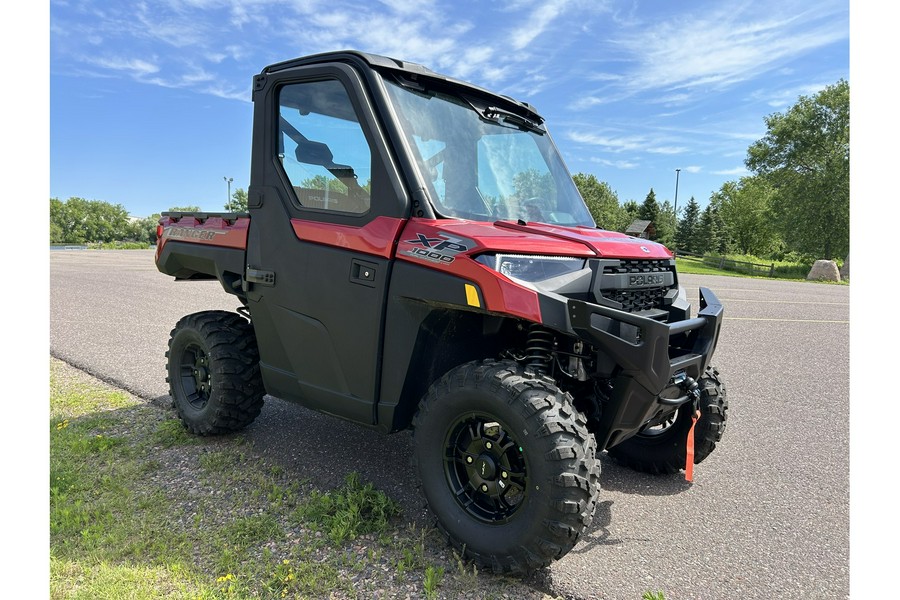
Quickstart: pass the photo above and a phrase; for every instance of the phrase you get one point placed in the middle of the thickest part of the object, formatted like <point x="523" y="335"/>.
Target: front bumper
<point x="649" y="354"/>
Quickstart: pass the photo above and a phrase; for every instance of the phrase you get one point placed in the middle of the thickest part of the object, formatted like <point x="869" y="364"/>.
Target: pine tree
<point x="686" y="237"/>
<point x="650" y="208"/>
<point x="712" y="233"/>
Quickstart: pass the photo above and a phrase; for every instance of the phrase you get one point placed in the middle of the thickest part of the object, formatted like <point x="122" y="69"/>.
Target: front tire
<point x="506" y="464"/>
<point x="663" y="449"/>
<point x="213" y="372"/>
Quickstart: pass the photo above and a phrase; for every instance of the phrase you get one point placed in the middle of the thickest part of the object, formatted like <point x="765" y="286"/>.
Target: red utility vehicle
<point x="416" y="256"/>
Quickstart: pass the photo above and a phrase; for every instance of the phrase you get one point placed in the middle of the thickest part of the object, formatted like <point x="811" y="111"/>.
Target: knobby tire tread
<point x="562" y="433"/>
<point x="230" y="342"/>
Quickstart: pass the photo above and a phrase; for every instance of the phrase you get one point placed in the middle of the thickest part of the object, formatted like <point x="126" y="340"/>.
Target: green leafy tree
<point x="79" y="221"/>
<point x="805" y="156"/>
<point x="321" y="182"/>
<point x="746" y="209"/>
<point x="143" y="230"/>
<point x="185" y="209"/>
<point x="532" y="184"/>
<point x="238" y="202"/>
<point x="58" y="221"/>
<point x="602" y="201"/>
<point x="686" y="236"/>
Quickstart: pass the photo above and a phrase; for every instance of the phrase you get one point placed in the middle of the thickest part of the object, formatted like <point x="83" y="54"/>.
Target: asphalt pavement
<point x="767" y="516"/>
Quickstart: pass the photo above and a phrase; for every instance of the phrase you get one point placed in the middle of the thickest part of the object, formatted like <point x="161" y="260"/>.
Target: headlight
<point x="531" y="267"/>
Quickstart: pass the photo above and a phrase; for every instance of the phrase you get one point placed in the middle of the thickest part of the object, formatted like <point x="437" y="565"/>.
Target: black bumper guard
<point x="648" y="364"/>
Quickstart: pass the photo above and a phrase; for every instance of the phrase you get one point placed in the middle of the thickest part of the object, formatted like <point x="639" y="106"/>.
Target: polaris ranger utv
<point x="416" y="256"/>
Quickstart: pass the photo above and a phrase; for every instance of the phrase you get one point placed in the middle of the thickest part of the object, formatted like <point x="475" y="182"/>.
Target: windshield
<point x="485" y="164"/>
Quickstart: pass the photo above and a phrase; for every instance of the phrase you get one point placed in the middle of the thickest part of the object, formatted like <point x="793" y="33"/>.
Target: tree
<point x="602" y="202"/>
<point x="531" y="183"/>
<point x="143" y="230"/>
<point x="79" y="221"/>
<point x="746" y="208"/>
<point x="238" y="202"/>
<point x="185" y="209"/>
<point x="632" y="211"/>
<point x="665" y="224"/>
<point x="711" y="235"/>
<point x="686" y="237"/>
<point x="649" y="210"/>
<point x="321" y="182"/>
<point x="805" y="156"/>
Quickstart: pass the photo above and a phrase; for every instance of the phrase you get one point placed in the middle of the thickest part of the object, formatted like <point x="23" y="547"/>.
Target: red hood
<point x="538" y="238"/>
<point x="610" y="244"/>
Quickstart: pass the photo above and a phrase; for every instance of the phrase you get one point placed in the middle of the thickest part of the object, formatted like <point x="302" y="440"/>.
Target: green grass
<point x="783" y="270"/>
<point x="230" y="526"/>
<point x="348" y="512"/>
<point x="140" y="509"/>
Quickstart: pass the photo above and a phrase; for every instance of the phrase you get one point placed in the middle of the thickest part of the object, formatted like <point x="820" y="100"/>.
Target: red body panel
<point x="376" y="238"/>
<point x="213" y="231"/>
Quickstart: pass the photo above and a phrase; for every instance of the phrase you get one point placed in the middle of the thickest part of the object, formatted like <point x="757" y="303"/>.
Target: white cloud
<point x="668" y="150"/>
<point x="132" y="66"/>
<point x="615" y="164"/>
<point x="731" y="172"/>
<point x="536" y="23"/>
<point x="720" y="49"/>
<point x="611" y="144"/>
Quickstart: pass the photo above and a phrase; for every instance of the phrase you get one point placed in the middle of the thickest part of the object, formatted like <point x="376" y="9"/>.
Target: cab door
<point x="327" y="205"/>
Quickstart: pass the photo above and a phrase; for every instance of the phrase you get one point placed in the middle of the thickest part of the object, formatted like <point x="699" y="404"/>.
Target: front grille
<point x="615" y="272"/>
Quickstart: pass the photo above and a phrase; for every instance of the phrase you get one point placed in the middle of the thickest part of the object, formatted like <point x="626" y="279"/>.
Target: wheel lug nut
<point x="488" y="445"/>
<point x="470" y="460"/>
<point x="484" y="487"/>
<point x="504" y="474"/>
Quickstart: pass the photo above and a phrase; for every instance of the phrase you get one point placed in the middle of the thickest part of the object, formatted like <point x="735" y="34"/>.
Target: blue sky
<point x="150" y="103"/>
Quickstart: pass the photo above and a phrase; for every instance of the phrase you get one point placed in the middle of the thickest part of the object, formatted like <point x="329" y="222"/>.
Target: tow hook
<point x="690" y="387"/>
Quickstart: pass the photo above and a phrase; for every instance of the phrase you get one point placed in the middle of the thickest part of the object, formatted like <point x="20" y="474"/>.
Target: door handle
<point x="363" y="273"/>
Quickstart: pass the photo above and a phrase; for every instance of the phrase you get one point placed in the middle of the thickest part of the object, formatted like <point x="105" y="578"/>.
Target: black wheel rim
<point x="196" y="379"/>
<point x="485" y="468"/>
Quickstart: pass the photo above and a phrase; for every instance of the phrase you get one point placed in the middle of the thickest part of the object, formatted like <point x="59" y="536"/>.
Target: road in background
<point x="766" y="517"/>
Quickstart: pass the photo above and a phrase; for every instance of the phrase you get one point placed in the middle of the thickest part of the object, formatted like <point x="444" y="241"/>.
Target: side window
<point x="322" y="147"/>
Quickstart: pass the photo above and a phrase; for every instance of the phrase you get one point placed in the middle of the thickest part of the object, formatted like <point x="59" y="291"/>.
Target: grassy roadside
<point x="141" y="509"/>
<point x="695" y="267"/>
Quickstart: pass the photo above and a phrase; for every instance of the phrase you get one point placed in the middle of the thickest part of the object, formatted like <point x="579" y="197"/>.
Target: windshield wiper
<point x="494" y="113"/>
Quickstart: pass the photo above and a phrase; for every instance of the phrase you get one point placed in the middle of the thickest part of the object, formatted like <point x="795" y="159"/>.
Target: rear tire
<point x="506" y="464"/>
<point x="213" y="372"/>
<point x="664" y="450"/>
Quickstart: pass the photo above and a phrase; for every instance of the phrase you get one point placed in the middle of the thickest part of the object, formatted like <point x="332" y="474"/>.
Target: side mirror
<point x="314" y="153"/>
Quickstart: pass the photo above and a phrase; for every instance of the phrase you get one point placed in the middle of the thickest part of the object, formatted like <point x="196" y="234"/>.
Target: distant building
<point x="641" y="229"/>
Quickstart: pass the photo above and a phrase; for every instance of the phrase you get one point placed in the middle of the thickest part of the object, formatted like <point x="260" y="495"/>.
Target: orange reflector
<point x="472" y="296"/>
<point x="689" y="460"/>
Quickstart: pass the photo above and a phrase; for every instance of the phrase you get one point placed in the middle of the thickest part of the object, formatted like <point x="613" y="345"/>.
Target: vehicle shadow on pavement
<point x="617" y="478"/>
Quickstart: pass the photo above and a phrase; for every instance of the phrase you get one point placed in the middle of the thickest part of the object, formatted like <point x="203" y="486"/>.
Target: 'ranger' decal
<point x="190" y="233"/>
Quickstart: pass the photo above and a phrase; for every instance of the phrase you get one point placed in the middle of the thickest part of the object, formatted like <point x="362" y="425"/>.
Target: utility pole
<point x="228" y="181"/>
<point x="677" y="173"/>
